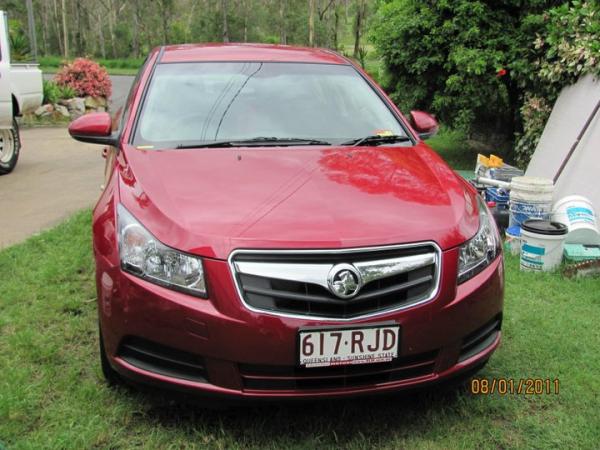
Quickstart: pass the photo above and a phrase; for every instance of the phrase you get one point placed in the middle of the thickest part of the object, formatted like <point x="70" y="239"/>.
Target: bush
<point x="19" y="43"/>
<point x="54" y="92"/>
<point x="564" y="50"/>
<point x="494" y="66"/>
<point x="446" y="57"/>
<point x="85" y="77"/>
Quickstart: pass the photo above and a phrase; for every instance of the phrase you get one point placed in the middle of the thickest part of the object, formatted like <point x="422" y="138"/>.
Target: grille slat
<point x="283" y="286"/>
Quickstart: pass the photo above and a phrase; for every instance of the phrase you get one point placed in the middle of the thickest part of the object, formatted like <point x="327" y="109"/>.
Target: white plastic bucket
<point x="513" y="240"/>
<point x="542" y="244"/>
<point x="577" y="213"/>
<point x="530" y="198"/>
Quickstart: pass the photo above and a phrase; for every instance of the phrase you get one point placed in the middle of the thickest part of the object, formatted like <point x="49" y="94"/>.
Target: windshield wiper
<point x="376" y="140"/>
<point x="255" y="142"/>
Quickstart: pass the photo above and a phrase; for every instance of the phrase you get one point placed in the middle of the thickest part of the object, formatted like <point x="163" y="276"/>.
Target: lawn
<point x="455" y="148"/>
<point x="52" y="393"/>
<point x="120" y="66"/>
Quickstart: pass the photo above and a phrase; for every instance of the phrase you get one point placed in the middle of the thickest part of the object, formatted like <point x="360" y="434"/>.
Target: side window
<point x="127" y="107"/>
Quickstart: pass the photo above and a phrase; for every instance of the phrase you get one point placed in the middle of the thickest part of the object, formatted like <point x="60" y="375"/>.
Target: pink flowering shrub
<point x="85" y="77"/>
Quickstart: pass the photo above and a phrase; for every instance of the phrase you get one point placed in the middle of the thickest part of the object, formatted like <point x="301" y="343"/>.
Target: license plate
<point x="336" y="347"/>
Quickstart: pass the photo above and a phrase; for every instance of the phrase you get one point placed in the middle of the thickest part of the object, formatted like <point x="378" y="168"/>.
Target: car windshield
<point x="194" y="103"/>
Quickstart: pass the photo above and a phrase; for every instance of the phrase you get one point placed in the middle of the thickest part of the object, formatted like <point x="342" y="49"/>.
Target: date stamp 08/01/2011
<point x="514" y="386"/>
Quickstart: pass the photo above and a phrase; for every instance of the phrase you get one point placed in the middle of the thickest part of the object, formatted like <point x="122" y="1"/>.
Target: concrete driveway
<point x="55" y="177"/>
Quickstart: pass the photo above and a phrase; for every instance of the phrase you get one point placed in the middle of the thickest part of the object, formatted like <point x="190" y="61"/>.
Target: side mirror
<point x="424" y="124"/>
<point x="94" y="128"/>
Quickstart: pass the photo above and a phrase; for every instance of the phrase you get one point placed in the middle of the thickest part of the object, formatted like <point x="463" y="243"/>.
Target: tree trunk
<point x="135" y="44"/>
<point x="311" y="23"/>
<point x="358" y="25"/>
<point x="336" y="27"/>
<point x="245" y="9"/>
<point x="111" y="28"/>
<point x="44" y="22"/>
<point x="65" y="31"/>
<point x="225" y="25"/>
<point x="57" y="29"/>
<point x="79" y="44"/>
<point x="101" y="36"/>
<point x="282" y="26"/>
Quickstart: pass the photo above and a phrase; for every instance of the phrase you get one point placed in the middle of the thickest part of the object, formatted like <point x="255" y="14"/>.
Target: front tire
<point x="10" y="144"/>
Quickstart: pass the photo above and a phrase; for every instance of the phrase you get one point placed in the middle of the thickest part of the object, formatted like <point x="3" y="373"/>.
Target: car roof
<point x="248" y="52"/>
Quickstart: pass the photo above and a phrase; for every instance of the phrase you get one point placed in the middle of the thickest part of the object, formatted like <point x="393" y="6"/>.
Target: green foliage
<point x="54" y="92"/>
<point x="565" y="49"/>
<point x="444" y="56"/>
<point x="19" y="43"/>
<point x="474" y="63"/>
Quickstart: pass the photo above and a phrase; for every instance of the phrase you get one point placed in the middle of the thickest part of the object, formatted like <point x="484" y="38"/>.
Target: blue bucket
<point x="520" y="211"/>
<point x="498" y="195"/>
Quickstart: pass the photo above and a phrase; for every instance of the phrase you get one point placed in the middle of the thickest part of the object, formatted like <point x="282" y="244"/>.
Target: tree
<point x="311" y="23"/>
<point x="361" y="14"/>
<point x="225" y="24"/>
<point x="461" y="59"/>
<point x="282" y="29"/>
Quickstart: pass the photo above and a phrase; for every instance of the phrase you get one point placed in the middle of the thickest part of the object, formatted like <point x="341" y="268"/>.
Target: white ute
<point x="20" y="91"/>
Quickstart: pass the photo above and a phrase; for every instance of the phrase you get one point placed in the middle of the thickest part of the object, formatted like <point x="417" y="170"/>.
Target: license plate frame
<point x="345" y="329"/>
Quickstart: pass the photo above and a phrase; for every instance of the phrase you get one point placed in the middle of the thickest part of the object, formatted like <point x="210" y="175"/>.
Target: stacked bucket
<point x="542" y="231"/>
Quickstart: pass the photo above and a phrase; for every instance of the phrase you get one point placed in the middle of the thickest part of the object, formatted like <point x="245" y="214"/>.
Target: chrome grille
<point x="298" y="283"/>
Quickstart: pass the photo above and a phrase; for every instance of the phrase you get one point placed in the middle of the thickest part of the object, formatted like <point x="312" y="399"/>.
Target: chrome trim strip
<point x="304" y="273"/>
<point x="437" y="256"/>
<point x="317" y="273"/>
<point x="383" y="268"/>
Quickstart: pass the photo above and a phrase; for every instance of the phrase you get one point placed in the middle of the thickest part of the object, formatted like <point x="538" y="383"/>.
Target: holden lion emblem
<point x="344" y="280"/>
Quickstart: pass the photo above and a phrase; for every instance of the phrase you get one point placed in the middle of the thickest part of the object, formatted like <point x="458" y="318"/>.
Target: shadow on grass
<point x="366" y="418"/>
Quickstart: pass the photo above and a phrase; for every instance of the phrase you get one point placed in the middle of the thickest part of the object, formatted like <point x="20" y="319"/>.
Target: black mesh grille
<point x="300" y="298"/>
<point x="170" y="362"/>
<point x="257" y="377"/>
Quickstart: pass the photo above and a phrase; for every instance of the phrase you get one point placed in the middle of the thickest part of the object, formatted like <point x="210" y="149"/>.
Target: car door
<point x="6" y="116"/>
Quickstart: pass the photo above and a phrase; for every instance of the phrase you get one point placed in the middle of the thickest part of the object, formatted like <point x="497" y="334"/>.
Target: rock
<point x="76" y="104"/>
<point x="62" y="110"/>
<point x="44" y="110"/>
<point x="100" y="109"/>
<point x="101" y="101"/>
<point x="91" y="102"/>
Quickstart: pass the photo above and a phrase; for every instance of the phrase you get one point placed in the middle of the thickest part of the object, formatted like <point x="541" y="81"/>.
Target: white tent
<point x="581" y="174"/>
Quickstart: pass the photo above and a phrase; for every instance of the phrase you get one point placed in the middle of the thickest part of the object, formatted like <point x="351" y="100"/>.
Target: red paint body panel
<point x="249" y="52"/>
<point x="93" y="124"/>
<point x="210" y="202"/>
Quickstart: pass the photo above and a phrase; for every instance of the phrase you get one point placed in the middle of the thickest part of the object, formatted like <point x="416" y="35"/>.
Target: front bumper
<point x="217" y="346"/>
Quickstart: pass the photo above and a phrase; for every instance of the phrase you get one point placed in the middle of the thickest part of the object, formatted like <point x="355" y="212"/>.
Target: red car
<point x="273" y="227"/>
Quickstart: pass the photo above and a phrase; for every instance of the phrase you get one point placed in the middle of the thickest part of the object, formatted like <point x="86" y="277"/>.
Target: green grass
<point x="455" y="148"/>
<point x="119" y="66"/>
<point x="30" y="120"/>
<point x="52" y="394"/>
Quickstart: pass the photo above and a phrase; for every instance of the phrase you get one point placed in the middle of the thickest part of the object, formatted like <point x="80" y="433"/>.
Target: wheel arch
<point x="15" y="106"/>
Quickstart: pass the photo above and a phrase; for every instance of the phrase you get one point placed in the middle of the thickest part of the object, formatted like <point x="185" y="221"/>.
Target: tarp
<point x="581" y="175"/>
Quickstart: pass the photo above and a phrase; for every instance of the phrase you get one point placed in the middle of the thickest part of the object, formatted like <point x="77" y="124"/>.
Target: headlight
<point x="477" y="253"/>
<point x="144" y="256"/>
